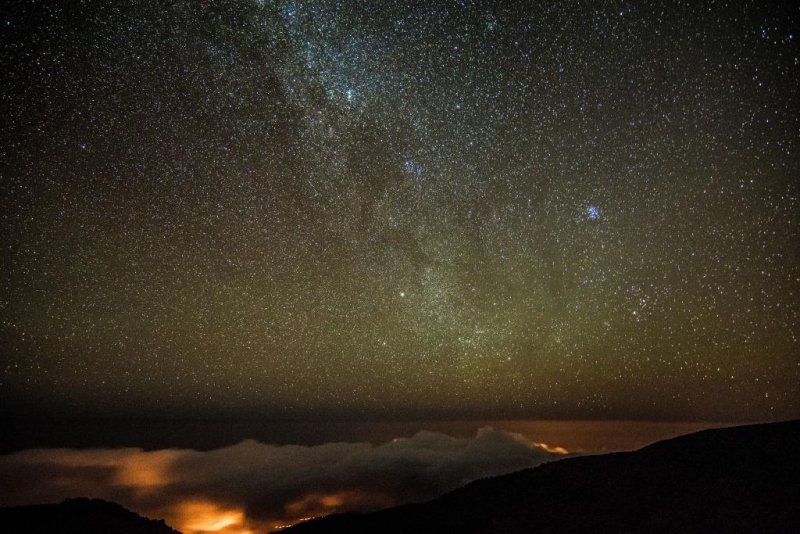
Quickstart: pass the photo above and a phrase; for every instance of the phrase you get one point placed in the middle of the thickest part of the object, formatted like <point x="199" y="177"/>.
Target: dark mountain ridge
<point x="739" y="479"/>
<point x="79" y="516"/>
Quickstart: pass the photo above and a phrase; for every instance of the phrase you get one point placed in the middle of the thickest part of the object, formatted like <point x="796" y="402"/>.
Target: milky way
<point x="396" y="209"/>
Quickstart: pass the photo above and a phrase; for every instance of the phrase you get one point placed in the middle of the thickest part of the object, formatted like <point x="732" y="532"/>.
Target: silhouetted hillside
<point x="741" y="479"/>
<point x="79" y="516"/>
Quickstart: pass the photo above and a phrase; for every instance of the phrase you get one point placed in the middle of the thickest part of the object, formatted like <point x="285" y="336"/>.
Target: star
<point x="219" y="209"/>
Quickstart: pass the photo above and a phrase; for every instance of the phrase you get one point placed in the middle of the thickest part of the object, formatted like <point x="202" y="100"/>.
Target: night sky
<point x="392" y="209"/>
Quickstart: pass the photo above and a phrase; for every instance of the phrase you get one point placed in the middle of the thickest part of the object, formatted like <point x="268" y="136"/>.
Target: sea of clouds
<point x="253" y="485"/>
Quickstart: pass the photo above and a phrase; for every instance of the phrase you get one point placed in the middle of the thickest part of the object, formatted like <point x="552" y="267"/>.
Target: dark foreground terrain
<point x="742" y="479"/>
<point x="74" y="516"/>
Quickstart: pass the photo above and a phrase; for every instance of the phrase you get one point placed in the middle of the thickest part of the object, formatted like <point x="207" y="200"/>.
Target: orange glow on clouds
<point x="552" y="449"/>
<point x="319" y="504"/>
<point x="146" y="471"/>
<point x="197" y="517"/>
<point x="253" y="487"/>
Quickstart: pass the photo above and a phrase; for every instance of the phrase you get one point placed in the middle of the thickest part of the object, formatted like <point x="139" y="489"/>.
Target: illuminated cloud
<point x="253" y="486"/>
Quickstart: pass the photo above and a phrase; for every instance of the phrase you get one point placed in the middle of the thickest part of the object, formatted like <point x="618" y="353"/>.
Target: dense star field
<point x="395" y="209"/>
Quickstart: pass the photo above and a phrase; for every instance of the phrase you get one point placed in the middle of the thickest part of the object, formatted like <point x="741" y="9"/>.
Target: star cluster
<point x="391" y="209"/>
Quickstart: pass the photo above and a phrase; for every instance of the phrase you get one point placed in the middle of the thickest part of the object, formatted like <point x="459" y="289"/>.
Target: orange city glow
<point x="195" y="517"/>
<point x="255" y="487"/>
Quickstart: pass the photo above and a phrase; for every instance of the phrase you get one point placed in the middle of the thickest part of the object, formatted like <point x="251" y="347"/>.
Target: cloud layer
<point x="257" y="486"/>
